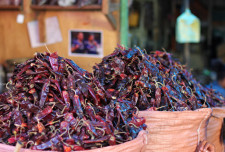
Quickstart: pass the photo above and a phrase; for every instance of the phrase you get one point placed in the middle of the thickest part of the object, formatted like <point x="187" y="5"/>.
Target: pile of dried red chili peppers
<point x="52" y="104"/>
<point x="154" y="81"/>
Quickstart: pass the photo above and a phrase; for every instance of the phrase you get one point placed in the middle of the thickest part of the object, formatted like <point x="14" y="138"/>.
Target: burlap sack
<point x="175" y="131"/>
<point x="214" y="129"/>
<point x="135" y="145"/>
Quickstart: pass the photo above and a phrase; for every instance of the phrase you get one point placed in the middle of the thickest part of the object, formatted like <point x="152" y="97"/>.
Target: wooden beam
<point x="105" y="6"/>
<point x="68" y="8"/>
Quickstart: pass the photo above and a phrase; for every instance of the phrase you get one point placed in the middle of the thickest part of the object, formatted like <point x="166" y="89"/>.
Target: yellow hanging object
<point x="187" y="28"/>
<point x="134" y="19"/>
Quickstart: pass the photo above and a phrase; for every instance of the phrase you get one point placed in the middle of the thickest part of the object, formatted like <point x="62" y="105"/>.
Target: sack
<point x="135" y="145"/>
<point x="214" y="129"/>
<point x="175" y="131"/>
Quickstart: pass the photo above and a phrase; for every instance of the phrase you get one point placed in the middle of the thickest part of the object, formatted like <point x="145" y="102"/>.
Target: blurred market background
<point x="149" y="24"/>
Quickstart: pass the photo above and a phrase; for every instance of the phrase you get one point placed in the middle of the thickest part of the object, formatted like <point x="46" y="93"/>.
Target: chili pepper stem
<point x="85" y="102"/>
<point x="92" y="136"/>
<point x="52" y="129"/>
<point x="99" y="145"/>
<point x="59" y="115"/>
<point x="137" y="110"/>
<point x="66" y="144"/>
<point x="161" y="107"/>
<point x="47" y="49"/>
<point x="15" y="133"/>
<point x="145" y="51"/>
<point x="91" y="107"/>
<point x="29" y="143"/>
<point x="57" y="130"/>
<point x="101" y="130"/>
<point x="119" y="142"/>
<point x="164" y="49"/>
<point x="63" y="109"/>
<point x="66" y="130"/>
<point x="53" y="122"/>
<point x="79" y="123"/>
<point x="9" y="122"/>
<point x="7" y="85"/>
<point x="172" y="78"/>
<point x="133" y="125"/>
<point x="86" y="77"/>
<point x="191" y="90"/>
<point x="69" y="132"/>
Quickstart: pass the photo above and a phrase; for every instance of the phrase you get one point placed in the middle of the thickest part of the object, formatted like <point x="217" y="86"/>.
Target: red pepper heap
<point x="52" y="104"/>
<point x="154" y="81"/>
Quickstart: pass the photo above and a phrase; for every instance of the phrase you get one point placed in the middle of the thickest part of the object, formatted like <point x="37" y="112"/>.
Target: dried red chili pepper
<point x="18" y="119"/>
<point x="158" y="96"/>
<point x="100" y="140"/>
<point x="66" y="98"/>
<point x="54" y="61"/>
<point x="43" y="113"/>
<point x="40" y="127"/>
<point x="44" y="93"/>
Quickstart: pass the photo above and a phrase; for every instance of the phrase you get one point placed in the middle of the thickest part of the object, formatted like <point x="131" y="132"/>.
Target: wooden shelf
<point x="9" y="7"/>
<point x="69" y="8"/>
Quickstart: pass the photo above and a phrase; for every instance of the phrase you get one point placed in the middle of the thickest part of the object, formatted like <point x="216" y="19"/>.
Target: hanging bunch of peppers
<point x="52" y="104"/>
<point x="154" y="82"/>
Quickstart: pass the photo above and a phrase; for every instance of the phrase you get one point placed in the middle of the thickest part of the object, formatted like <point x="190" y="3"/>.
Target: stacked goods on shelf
<point x="52" y="104"/>
<point x="156" y="82"/>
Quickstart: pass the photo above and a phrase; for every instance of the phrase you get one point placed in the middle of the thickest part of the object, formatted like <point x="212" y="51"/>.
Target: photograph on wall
<point x="86" y="43"/>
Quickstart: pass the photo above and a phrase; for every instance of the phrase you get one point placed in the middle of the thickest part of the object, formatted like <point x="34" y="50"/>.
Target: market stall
<point x="73" y="84"/>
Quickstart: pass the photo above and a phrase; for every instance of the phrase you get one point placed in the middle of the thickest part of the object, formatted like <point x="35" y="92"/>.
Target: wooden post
<point x="124" y="22"/>
<point x="2" y="42"/>
<point x="187" y="54"/>
<point x="41" y="26"/>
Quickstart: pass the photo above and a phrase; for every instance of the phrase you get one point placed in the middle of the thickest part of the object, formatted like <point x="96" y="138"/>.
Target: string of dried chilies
<point x="52" y="104"/>
<point x="154" y="82"/>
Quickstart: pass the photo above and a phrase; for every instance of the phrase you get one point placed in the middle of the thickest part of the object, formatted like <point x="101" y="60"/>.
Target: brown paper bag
<point x="175" y="131"/>
<point x="135" y="145"/>
<point x="214" y="129"/>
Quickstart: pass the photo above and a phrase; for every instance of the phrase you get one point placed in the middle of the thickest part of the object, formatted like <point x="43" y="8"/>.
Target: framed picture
<point x="85" y="43"/>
